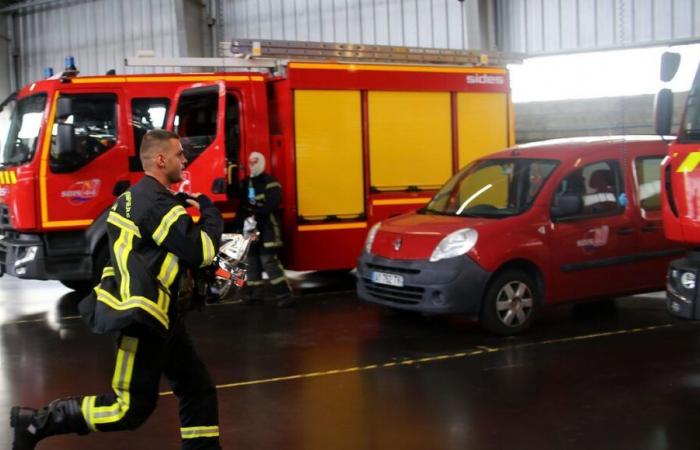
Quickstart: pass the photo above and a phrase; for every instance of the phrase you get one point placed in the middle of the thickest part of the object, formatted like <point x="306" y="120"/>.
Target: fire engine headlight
<point x="455" y="244"/>
<point x="370" y="237"/>
<point x="29" y="256"/>
<point x="688" y="280"/>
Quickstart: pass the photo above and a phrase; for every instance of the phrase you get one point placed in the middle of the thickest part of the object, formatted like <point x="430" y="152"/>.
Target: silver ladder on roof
<point x="296" y="50"/>
<point x="275" y="54"/>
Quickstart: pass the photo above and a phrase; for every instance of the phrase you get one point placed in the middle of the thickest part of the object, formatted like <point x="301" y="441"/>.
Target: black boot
<point x="60" y="417"/>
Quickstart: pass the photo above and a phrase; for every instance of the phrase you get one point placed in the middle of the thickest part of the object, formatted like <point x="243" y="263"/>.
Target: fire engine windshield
<point x="690" y="129"/>
<point x="492" y="188"/>
<point x="20" y="122"/>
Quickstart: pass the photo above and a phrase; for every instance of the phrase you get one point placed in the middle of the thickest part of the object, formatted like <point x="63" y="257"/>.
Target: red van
<point x="543" y="223"/>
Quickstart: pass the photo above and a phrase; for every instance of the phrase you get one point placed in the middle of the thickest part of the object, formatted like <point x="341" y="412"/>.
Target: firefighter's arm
<point x="195" y="244"/>
<point x="273" y="198"/>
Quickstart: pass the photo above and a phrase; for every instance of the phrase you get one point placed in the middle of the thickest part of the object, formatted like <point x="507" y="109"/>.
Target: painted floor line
<point x="429" y="359"/>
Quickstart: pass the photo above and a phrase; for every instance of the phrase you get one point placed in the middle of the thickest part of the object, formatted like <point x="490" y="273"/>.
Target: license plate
<point x="387" y="278"/>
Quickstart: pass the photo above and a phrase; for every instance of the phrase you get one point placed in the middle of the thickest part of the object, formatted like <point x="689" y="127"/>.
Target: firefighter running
<point x="264" y="195"/>
<point x="152" y="241"/>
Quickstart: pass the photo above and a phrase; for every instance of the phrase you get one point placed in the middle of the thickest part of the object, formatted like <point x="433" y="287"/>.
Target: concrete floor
<point x="336" y="374"/>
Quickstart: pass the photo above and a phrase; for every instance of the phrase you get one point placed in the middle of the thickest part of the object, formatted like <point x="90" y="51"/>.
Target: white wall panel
<point x="423" y="23"/>
<point x="556" y="26"/>
<point x="98" y="33"/>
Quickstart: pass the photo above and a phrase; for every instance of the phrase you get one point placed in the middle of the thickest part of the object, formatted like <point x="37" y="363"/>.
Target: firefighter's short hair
<point x="153" y="141"/>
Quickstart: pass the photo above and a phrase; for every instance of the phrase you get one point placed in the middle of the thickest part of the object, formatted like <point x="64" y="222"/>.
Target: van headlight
<point x="455" y="244"/>
<point x="370" y="237"/>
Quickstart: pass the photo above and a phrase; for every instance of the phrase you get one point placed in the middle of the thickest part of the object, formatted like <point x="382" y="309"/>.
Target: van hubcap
<point x="514" y="303"/>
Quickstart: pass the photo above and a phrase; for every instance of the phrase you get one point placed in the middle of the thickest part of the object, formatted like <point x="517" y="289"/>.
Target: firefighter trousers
<point x="141" y="359"/>
<point x="261" y="260"/>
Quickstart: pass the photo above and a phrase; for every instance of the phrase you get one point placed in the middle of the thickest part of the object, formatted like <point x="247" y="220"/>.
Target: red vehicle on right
<point x="681" y="191"/>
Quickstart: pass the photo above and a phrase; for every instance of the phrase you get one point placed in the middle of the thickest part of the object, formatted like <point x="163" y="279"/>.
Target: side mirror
<point x="663" y="112"/>
<point x="566" y="205"/>
<point x="64" y="108"/>
<point x="65" y="142"/>
<point x="670" y="62"/>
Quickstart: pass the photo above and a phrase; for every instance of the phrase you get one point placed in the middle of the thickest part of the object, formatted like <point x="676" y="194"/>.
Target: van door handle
<point x="625" y="231"/>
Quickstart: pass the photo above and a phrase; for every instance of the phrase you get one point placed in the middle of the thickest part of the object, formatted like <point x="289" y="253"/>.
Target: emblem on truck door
<point x="397" y="244"/>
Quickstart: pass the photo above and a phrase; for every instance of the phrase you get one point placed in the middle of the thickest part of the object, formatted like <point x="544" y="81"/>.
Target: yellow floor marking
<point x="410" y="362"/>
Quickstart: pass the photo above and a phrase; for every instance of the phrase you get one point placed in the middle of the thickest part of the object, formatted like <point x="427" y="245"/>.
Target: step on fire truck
<point x="355" y="134"/>
<point x="680" y="191"/>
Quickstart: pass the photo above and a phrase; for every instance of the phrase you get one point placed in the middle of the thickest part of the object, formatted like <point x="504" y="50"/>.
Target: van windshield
<point x="492" y="188"/>
<point x="20" y="122"/>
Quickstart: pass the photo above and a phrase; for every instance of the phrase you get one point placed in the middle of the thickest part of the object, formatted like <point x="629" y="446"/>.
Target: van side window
<point x="593" y="189"/>
<point x="196" y="120"/>
<point x="648" y="170"/>
<point x="94" y="118"/>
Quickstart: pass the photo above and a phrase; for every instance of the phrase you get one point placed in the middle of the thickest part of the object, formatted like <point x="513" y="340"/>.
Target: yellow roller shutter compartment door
<point x="410" y="139"/>
<point x="482" y="124"/>
<point x="328" y="129"/>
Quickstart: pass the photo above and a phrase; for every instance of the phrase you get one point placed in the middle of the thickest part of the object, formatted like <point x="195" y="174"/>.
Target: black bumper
<point x="31" y="256"/>
<point x="454" y="285"/>
<point x="680" y="301"/>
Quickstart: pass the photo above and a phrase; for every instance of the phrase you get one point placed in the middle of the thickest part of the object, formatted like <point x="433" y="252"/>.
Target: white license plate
<point x="387" y="278"/>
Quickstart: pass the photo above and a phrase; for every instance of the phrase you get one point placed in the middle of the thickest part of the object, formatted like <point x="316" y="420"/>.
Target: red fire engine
<point x="354" y="136"/>
<point x="681" y="191"/>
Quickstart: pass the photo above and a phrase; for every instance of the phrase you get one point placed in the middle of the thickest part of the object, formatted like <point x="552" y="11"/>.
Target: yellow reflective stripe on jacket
<point x="166" y="222"/>
<point x="167" y="274"/>
<point x="122" y="222"/>
<point x="121" y="382"/>
<point x="133" y="302"/>
<point x="122" y="248"/>
<point x="108" y="271"/>
<point x="199" y="432"/>
<point x="208" y="251"/>
<point x="273" y="184"/>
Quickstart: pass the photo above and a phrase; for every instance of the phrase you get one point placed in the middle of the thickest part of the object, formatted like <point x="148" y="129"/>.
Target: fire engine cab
<point x="355" y="134"/>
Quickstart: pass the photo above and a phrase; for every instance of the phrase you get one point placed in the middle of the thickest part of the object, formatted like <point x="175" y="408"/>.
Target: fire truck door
<point x="198" y="119"/>
<point x="81" y="182"/>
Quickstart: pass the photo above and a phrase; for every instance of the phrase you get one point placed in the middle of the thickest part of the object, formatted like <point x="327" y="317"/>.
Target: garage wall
<point x="5" y="82"/>
<point x="414" y="23"/>
<point x="98" y="33"/>
<point x="556" y="26"/>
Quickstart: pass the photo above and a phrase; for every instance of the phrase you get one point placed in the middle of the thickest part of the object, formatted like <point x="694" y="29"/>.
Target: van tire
<point x="510" y="304"/>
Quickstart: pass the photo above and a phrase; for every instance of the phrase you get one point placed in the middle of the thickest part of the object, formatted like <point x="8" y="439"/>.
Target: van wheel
<point x="510" y="303"/>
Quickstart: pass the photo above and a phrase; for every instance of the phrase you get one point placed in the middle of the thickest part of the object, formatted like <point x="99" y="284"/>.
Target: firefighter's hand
<point x="191" y="201"/>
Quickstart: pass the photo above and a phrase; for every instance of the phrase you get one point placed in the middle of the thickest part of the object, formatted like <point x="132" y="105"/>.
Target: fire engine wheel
<point x="101" y="259"/>
<point x="510" y="303"/>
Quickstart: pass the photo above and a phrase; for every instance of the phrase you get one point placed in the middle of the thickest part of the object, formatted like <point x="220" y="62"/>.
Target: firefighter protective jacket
<point x="268" y="196"/>
<point x="151" y="239"/>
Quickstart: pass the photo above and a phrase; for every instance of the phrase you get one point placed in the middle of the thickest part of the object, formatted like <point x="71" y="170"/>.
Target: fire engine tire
<point x="101" y="258"/>
<point x="510" y="304"/>
<point x="77" y="285"/>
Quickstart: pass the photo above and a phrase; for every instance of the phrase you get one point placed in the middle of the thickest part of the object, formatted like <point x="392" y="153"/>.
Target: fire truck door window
<point x="597" y="185"/>
<point x="147" y="114"/>
<point x="196" y="119"/>
<point x="232" y="137"/>
<point x="94" y="118"/>
<point x="482" y="124"/>
<point x="648" y="171"/>
<point x="410" y="140"/>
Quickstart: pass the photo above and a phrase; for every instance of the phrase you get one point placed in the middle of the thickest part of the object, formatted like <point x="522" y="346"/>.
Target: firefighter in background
<point x="262" y="195"/>
<point x="152" y="241"/>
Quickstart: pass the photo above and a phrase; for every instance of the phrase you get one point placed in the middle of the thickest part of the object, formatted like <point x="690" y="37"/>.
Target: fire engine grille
<point x="406" y="295"/>
<point x="4" y="217"/>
